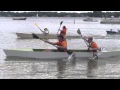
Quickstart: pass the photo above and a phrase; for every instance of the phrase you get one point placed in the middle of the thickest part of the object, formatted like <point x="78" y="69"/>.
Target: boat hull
<point x="110" y="21"/>
<point x="90" y="20"/>
<point x="19" y="18"/>
<point x="50" y="36"/>
<point x="112" y="33"/>
<point x="41" y="54"/>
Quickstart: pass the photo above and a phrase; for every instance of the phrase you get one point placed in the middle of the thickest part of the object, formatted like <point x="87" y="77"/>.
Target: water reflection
<point x="19" y="68"/>
<point x="92" y="68"/>
<point x="34" y="69"/>
<point x="63" y="66"/>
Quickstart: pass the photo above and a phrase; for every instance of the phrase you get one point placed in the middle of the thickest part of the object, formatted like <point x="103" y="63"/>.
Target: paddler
<point x="61" y="44"/>
<point x="92" y="46"/>
<point x="63" y="31"/>
<point x="46" y="31"/>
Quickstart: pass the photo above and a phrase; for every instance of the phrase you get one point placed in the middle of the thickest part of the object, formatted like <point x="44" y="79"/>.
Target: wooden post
<point x="74" y="21"/>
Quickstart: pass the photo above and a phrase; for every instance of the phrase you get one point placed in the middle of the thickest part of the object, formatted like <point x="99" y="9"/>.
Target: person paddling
<point x="92" y="46"/>
<point x="46" y="31"/>
<point x="63" y="31"/>
<point x="61" y="44"/>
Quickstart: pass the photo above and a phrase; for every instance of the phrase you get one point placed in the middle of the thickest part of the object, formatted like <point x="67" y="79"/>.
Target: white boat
<point x="110" y="21"/>
<point x="51" y="36"/>
<point x="19" y="18"/>
<point x="48" y="36"/>
<point x="90" y="20"/>
<point x="41" y="54"/>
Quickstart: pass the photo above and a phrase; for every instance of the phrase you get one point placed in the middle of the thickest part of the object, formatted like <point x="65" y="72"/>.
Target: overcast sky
<point x="73" y="11"/>
<point x="56" y="11"/>
<point x="82" y="11"/>
<point x="67" y="11"/>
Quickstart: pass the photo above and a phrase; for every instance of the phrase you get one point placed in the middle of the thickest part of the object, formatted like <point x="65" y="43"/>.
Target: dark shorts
<point x="92" y="50"/>
<point x="58" y="50"/>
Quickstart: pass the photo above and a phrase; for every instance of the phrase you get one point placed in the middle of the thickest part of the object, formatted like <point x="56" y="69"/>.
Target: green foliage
<point x="56" y="14"/>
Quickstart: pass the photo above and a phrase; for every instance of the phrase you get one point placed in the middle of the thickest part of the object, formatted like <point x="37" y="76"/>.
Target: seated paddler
<point x="61" y="44"/>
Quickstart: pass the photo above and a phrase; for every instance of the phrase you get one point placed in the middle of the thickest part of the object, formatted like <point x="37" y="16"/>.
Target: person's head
<point x="64" y="27"/>
<point x="45" y="29"/>
<point x="60" y="37"/>
<point x="90" y="39"/>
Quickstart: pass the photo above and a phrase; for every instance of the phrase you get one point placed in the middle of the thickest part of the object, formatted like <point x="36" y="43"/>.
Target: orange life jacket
<point x="93" y="45"/>
<point x="61" y="43"/>
<point x="63" y="32"/>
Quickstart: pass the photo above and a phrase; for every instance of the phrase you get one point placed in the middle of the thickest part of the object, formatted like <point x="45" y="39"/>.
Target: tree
<point x="97" y="13"/>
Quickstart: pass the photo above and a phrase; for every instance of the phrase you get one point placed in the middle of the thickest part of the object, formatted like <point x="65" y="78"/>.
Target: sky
<point x="67" y="11"/>
<point x="57" y="11"/>
<point x="73" y="11"/>
<point x="81" y="11"/>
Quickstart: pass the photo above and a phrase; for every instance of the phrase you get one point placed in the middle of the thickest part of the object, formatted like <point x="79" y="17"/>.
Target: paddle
<point x="39" y="28"/>
<point x="79" y="32"/>
<point x="59" y="27"/>
<point x="35" y="36"/>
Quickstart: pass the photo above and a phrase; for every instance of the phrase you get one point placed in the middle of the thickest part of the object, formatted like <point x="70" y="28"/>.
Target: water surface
<point x="28" y="68"/>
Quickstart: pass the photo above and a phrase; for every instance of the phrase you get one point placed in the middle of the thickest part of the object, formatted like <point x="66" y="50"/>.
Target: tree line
<point x="56" y="14"/>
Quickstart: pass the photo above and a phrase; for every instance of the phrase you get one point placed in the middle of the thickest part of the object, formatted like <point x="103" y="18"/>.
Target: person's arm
<point x="50" y="42"/>
<point x="57" y="43"/>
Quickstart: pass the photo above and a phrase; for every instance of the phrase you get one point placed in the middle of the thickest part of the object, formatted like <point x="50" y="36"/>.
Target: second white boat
<point x="49" y="36"/>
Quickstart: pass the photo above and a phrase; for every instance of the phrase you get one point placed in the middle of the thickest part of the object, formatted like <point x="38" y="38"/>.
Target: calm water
<point x="21" y="68"/>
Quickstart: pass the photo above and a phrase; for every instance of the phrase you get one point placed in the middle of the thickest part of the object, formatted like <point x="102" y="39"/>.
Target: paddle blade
<point x="69" y="52"/>
<point x="78" y="31"/>
<point x="36" y="24"/>
<point x="71" y="56"/>
<point x="35" y="36"/>
<point x="61" y="22"/>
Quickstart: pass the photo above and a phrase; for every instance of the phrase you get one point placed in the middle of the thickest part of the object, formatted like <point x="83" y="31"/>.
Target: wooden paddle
<point x="39" y="28"/>
<point x="79" y="32"/>
<point x="36" y="37"/>
<point x="59" y="27"/>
